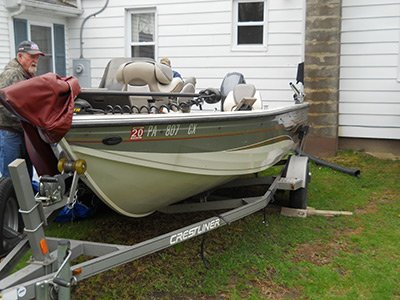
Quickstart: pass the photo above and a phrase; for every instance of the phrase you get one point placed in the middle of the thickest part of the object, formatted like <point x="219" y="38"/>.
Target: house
<point x="369" y="90"/>
<point x="45" y="22"/>
<point x="350" y="49"/>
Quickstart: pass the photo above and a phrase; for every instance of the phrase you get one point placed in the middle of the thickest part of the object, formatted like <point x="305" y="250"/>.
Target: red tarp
<point x="45" y="105"/>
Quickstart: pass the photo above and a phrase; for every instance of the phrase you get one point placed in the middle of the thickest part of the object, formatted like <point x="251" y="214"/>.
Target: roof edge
<point x="66" y="11"/>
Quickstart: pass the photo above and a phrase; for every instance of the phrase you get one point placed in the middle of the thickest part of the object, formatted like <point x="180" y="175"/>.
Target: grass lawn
<point x="342" y="257"/>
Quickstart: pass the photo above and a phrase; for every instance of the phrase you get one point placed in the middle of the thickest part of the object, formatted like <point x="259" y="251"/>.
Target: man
<point x="12" y="144"/>
<point x="167" y="62"/>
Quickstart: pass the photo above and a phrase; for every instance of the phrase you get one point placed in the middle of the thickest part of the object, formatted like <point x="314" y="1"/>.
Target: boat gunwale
<point x="98" y="120"/>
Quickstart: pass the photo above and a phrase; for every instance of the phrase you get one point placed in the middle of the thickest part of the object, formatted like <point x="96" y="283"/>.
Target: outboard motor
<point x="81" y="106"/>
<point x="230" y="81"/>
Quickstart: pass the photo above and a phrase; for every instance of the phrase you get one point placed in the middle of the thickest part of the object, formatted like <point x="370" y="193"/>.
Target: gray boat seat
<point x="189" y="87"/>
<point x="158" y="77"/>
<point x="243" y="97"/>
<point x="109" y="80"/>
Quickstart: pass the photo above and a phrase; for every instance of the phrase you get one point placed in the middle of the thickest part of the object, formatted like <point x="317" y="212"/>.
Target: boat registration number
<point x="137" y="133"/>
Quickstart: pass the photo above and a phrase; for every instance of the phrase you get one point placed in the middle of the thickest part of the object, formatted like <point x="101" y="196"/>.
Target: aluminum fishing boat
<point x="138" y="163"/>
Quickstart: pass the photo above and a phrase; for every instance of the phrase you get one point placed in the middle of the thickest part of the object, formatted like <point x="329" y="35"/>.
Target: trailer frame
<point x="50" y="273"/>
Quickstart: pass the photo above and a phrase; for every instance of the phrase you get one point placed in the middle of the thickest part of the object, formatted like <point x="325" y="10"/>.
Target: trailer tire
<point x="10" y="218"/>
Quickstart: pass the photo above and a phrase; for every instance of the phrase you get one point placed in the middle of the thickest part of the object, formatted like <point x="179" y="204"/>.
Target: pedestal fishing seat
<point x="109" y="80"/>
<point x="139" y="76"/>
<point x="243" y="97"/>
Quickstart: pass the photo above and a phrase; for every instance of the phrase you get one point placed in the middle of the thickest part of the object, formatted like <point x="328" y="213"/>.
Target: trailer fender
<point x="298" y="168"/>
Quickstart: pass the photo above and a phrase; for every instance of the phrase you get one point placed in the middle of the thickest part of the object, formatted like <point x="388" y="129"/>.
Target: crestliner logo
<point x="189" y="233"/>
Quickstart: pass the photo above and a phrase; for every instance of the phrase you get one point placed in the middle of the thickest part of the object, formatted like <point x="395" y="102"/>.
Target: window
<point x="45" y="36"/>
<point x="249" y="23"/>
<point x="41" y="35"/>
<point x="142" y="42"/>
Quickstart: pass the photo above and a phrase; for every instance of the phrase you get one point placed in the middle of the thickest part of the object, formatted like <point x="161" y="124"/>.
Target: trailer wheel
<point x="10" y="219"/>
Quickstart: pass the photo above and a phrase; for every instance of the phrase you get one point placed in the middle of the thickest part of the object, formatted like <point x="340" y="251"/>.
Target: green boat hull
<point x="140" y="163"/>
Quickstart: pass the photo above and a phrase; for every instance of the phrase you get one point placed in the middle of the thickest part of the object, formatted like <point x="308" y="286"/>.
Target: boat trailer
<point x="50" y="275"/>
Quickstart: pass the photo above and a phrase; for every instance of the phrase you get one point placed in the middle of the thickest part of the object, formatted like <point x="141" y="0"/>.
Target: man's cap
<point x="29" y="47"/>
<point x="165" y="61"/>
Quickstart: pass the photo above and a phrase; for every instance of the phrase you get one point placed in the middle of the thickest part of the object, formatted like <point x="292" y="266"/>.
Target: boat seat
<point x="139" y="101"/>
<point x="243" y="97"/>
<point x="189" y="87"/>
<point x="157" y="77"/>
<point x="109" y="80"/>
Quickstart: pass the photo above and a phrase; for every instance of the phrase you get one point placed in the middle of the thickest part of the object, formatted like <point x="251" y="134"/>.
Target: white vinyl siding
<point x="5" y="43"/>
<point x="197" y="37"/>
<point x="369" y="105"/>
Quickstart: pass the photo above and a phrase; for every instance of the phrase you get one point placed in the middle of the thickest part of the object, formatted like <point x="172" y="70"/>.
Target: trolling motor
<point x="210" y="95"/>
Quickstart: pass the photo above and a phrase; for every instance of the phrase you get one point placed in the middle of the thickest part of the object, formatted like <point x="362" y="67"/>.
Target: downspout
<point x="19" y="11"/>
<point x="83" y="24"/>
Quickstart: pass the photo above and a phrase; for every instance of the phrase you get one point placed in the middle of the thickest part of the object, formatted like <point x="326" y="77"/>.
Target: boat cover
<point x="45" y="106"/>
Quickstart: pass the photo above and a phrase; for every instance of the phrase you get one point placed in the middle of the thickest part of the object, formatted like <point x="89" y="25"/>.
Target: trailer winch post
<point x="30" y="211"/>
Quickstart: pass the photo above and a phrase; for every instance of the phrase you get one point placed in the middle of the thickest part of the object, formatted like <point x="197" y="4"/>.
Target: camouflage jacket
<point x="13" y="72"/>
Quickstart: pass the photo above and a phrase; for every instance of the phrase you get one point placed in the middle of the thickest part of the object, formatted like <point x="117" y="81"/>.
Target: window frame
<point x="130" y="43"/>
<point x="48" y="25"/>
<point x="236" y="24"/>
<point x="27" y="35"/>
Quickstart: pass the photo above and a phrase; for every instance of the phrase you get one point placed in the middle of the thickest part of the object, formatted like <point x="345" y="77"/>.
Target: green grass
<point x="346" y="257"/>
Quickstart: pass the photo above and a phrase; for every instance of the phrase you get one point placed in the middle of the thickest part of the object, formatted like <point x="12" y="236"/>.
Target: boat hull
<point x="138" y="164"/>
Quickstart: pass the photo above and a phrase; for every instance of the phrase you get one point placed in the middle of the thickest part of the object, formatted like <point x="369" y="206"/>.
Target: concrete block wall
<point x="321" y="71"/>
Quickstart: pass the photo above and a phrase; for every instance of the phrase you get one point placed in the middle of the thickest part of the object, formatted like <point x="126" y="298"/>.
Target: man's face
<point x="29" y="62"/>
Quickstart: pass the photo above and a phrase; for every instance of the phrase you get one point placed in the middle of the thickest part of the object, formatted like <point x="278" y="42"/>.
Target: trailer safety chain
<point x="71" y="204"/>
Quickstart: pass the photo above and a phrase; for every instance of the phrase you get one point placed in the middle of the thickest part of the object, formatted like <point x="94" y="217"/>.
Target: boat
<point x="146" y="139"/>
<point x="141" y="158"/>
